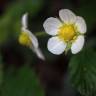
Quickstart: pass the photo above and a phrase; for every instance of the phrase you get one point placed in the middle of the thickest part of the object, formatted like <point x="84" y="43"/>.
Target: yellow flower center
<point x="67" y="32"/>
<point x="24" y="39"/>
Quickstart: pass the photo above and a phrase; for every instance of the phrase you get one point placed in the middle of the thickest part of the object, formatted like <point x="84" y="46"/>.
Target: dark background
<point x="21" y="72"/>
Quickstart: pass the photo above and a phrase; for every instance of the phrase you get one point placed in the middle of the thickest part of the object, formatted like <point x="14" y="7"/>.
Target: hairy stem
<point x="40" y="34"/>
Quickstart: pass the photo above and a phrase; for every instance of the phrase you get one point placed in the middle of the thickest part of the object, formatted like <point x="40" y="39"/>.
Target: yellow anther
<point x="24" y="39"/>
<point x="66" y="32"/>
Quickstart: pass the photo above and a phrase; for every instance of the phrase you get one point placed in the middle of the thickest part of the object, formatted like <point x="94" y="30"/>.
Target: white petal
<point x="67" y="16"/>
<point x="51" y="25"/>
<point x="32" y="37"/>
<point x="56" y="46"/>
<point x="81" y="25"/>
<point x="39" y="53"/>
<point x="24" y="20"/>
<point x="78" y="44"/>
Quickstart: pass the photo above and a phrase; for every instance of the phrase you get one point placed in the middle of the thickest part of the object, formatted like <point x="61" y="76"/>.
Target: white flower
<point x="27" y="38"/>
<point x="68" y="32"/>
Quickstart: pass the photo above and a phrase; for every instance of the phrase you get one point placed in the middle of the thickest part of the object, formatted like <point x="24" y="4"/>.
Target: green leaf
<point x="82" y="71"/>
<point x="22" y="83"/>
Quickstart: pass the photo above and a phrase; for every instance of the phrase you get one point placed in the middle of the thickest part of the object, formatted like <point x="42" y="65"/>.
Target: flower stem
<point x="40" y="34"/>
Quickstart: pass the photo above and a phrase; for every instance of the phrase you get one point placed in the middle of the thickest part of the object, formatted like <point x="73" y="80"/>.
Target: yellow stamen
<point x="67" y="32"/>
<point x="24" y="39"/>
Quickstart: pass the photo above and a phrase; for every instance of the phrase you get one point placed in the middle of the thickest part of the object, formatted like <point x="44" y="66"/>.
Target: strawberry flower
<point x="27" y="38"/>
<point x="67" y="32"/>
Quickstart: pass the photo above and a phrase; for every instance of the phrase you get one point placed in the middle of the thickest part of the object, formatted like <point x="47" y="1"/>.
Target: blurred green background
<point x="23" y="74"/>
